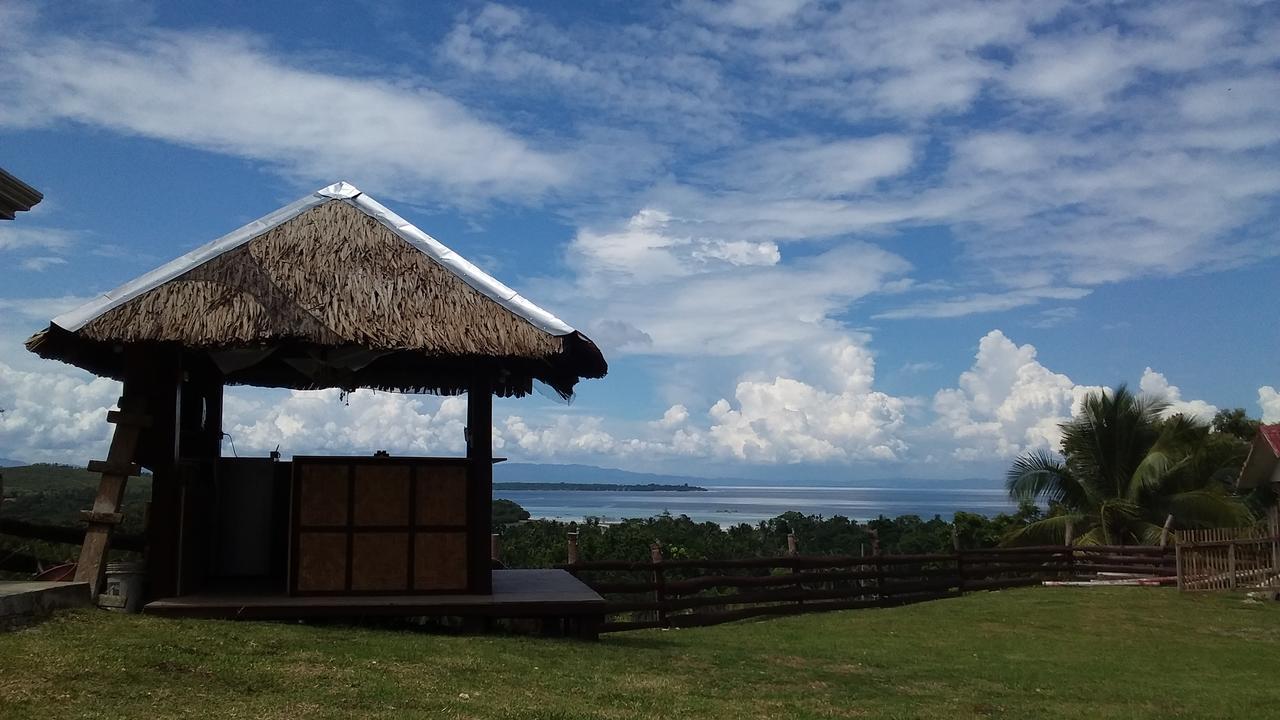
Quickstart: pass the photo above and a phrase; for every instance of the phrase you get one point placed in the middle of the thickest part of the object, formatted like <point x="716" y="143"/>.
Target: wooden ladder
<point x="116" y="470"/>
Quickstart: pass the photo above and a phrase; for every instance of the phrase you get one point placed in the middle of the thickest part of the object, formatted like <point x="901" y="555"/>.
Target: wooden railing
<point x="1228" y="558"/>
<point x="687" y="593"/>
<point x="22" y="561"/>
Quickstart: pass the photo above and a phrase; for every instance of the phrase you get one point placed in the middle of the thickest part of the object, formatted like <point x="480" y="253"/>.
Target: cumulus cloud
<point x="1269" y="401"/>
<point x="1155" y="384"/>
<point x="782" y="419"/>
<point x="1006" y="403"/>
<point x="54" y="416"/>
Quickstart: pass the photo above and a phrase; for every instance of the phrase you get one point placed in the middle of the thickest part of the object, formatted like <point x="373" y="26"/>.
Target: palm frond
<point x="1049" y="531"/>
<point x="1040" y="476"/>
<point x="1207" y="508"/>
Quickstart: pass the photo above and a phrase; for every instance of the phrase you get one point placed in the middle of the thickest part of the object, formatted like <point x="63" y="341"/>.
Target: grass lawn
<point x="1030" y="653"/>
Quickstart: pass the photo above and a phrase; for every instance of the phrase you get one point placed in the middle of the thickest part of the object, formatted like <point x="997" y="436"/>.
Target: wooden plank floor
<point x="516" y="593"/>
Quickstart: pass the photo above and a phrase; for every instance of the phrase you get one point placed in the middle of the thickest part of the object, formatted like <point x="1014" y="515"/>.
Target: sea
<point x="729" y="505"/>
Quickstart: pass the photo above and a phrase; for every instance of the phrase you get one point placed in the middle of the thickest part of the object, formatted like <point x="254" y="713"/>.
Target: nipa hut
<point x="331" y="291"/>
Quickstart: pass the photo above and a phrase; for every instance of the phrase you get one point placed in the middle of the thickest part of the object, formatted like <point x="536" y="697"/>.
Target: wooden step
<point x="108" y="467"/>
<point x="101" y="518"/>
<point x="120" y="417"/>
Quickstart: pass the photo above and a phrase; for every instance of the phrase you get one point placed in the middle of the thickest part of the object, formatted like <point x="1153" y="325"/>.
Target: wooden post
<point x="571" y="547"/>
<point x="659" y="582"/>
<point x="1164" y="531"/>
<point x="1275" y="546"/>
<point x="1068" y="538"/>
<point x="792" y="545"/>
<point x="1177" y="555"/>
<point x="955" y="547"/>
<point x="480" y="472"/>
<point x="1231" y="565"/>
<point x="495" y="547"/>
<point x="875" y="552"/>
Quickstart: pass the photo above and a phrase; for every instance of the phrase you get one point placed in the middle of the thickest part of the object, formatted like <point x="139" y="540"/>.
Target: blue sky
<point x="813" y="239"/>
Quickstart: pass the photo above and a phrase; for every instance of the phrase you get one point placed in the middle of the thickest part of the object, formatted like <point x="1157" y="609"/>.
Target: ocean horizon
<point x="739" y="503"/>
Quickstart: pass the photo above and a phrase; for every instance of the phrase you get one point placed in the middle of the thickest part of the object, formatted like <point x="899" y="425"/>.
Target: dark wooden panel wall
<point x="381" y="526"/>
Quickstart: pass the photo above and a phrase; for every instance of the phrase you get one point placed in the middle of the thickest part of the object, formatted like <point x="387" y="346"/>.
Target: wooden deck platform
<point x="516" y="594"/>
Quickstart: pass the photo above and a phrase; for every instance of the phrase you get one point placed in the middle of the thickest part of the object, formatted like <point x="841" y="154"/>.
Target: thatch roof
<point x="16" y="196"/>
<point x="333" y="290"/>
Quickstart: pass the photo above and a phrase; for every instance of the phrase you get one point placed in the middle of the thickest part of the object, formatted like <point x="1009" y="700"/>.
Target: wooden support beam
<point x="480" y="485"/>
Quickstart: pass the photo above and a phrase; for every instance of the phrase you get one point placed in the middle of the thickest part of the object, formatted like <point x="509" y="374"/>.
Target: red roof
<point x="1272" y="435"/>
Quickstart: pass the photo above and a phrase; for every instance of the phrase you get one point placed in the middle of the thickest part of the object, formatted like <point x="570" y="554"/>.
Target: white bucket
<point x="123" y="589"/>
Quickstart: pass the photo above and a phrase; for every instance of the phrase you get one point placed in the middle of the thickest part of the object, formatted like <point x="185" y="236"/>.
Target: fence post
<point x="495" y="547"/>
<point x="1177" y="562"/>
<point x="1231" y="565"/>
<point x="793" y="549"/>
<point x="1275" y="546"/>
<point x="572" y="548"/>
<point x="875" y="553"/>
<point x="955" y="545"/>
<point x="1071" y="551"/>
<point x="659" y="582"/>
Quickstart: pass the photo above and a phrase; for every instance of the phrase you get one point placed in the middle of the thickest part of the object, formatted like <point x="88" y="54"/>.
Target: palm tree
<point x="1124" y="471"/>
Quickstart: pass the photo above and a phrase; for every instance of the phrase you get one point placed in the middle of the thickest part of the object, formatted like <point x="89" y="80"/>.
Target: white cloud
<point x="55" y="416"/>
<point x="1006" y="404"/>
<point x="657" y="290"/>
<point x="1269" y="401"/>
<point x="983" y="303"/>
<point x="782" y="419"/>
<point x="231" y="94"/>
<point x="1156" y="385"/>
<point x="751" y="14"/>
<point x="13" y="237"/>
<point x="41" y="263"/>
<point x="813" y="168"/>
<point x="645" y="251"/>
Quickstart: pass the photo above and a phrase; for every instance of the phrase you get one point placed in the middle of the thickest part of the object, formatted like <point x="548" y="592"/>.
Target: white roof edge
<point x="472" y="275"/>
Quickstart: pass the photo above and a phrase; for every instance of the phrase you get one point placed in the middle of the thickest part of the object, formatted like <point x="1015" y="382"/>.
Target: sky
<point x="813" y="239"/>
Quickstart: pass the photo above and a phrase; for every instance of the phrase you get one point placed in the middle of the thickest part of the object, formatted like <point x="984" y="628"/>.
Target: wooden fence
<point x="1228" y="558"/>
<point x="687" y="593"/>
<point x="20" y="560"/>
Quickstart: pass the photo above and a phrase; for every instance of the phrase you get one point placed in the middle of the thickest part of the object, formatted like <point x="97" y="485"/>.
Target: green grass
<point x="1036" y="652"/>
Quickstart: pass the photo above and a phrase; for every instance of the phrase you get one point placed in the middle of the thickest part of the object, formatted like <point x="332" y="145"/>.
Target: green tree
<point x="1124" y="470"/>
<point x="1235" y="422"/>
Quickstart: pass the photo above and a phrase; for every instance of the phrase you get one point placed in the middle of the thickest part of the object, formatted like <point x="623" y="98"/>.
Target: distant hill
<point x="595" y="487"/>
<point x="55" y="495"/>
<point x="10" y="462"/>
<point x="509" y="472"/>
<point x="584" y="475"/>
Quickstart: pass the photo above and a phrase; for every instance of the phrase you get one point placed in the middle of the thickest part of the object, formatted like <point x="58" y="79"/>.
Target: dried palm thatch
<point x="332" y="298"/>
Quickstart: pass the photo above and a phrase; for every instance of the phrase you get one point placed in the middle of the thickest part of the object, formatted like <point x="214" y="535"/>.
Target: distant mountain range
<point x="509" y="472"/>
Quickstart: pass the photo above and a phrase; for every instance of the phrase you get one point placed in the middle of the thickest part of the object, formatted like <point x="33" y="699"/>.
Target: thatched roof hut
<point x="333" y="290"/>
